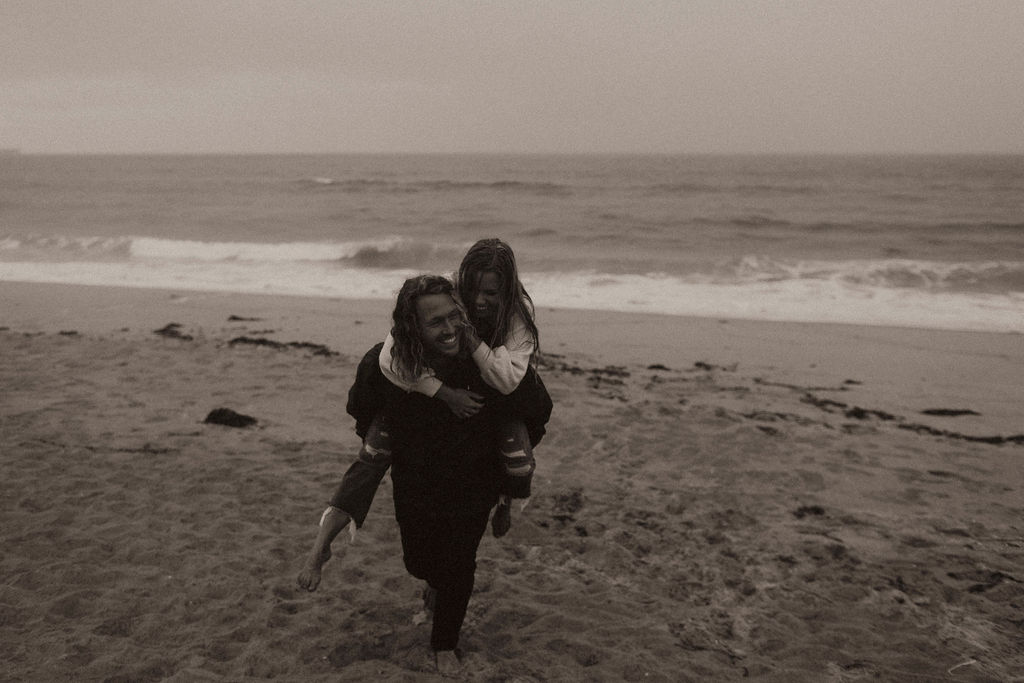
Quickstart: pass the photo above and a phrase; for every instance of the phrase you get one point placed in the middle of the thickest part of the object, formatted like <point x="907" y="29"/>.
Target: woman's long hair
<point x="408" y="359"/>
<point x="494" y="256"/>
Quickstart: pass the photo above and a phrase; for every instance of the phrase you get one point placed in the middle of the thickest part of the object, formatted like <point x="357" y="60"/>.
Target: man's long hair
<point x="494" y="256"/>
<point x="408" y="357"/>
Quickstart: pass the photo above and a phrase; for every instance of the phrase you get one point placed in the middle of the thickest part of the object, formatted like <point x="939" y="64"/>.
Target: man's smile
<point x="448" y="340"/>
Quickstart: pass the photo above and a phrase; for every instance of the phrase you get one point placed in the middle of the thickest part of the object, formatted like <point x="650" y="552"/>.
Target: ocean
<point x="914" y="241"/>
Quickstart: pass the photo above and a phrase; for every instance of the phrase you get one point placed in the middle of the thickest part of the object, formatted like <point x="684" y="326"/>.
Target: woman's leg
<point x="376" y="448"/>
<point x="357" y="488"/>
<point x="516" y="458"/>
<point x="352" y="497"/>
<point x="517" y="461"/>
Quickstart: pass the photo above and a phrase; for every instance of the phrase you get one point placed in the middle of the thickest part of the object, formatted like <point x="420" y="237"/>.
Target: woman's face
<point x="486" y="303"/>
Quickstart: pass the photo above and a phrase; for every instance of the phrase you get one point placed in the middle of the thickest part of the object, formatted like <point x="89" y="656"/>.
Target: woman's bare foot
<point x="332" y="521"/>
<point x="502" y="520"/>
<point x="309" y="576"/>
<point x="448" y="663"/>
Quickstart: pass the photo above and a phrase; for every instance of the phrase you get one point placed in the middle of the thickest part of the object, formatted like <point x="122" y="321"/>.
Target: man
<point x="444" y="467"/>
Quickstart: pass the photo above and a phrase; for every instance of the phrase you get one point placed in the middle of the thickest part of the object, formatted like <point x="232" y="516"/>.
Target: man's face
<point x="440" y="322"/>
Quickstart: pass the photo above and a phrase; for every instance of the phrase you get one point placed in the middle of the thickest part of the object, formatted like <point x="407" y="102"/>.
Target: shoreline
<point x="892" y="369"/>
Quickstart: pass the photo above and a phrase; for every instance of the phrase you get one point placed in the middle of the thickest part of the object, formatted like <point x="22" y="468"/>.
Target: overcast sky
<point x="507" y="76"/>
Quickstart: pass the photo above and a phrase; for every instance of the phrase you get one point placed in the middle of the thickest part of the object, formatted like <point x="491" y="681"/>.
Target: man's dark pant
<point x="441" y="550"/>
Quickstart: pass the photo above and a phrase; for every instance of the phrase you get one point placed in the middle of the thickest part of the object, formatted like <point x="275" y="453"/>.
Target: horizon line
<point x="14" y="151"/>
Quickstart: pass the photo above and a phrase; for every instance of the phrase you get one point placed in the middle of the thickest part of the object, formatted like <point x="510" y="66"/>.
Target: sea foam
<point x="830" y="300"/>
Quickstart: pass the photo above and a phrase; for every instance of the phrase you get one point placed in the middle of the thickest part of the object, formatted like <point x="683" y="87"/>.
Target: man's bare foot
<point x="448" y="663"/>
<point x="502" y="520"/>
<point x="309" y="576"/>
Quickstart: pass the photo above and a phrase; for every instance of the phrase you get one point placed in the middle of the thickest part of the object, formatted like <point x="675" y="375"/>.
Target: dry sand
<point x="715" y="500"/>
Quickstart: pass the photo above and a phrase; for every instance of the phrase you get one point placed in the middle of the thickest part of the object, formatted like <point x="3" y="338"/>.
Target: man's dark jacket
<point x="441" y="464"/>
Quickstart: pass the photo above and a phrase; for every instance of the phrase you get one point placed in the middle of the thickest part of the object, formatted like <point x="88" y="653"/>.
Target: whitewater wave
<point x="60" y="248"/>
<point x="995" y="277"/>
<point x="808" y="300"/>
<point x="403" y="253"/>
<point x="186" y="250"/>
<point x="386" y="252"/>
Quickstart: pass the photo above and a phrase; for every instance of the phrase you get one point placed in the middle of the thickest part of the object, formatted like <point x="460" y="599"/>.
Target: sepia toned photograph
<point x="666" y="340"/>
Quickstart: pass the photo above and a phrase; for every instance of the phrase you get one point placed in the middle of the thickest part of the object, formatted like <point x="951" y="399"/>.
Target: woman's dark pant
<point x="441" y="550"/>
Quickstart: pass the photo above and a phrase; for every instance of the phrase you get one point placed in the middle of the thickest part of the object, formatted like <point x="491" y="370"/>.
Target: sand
<point x="715" y="500"/>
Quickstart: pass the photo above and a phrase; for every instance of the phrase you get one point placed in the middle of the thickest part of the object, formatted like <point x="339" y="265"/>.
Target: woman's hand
<point x="470" y="338"/>
<point x="462" y="402"/>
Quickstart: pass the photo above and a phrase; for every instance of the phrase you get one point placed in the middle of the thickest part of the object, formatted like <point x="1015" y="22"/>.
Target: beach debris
<point x="611" y="371"/>
<point x="763" y="382"/>
<point x="805" y="510"/>
<point x="173" y="330"/>
<point x="701" y="365"/>
<point x="316" y="349"/>
<point x="596" y="381"/>
<point x="658" y="366"/>
<point x="68" y="333"/>
<point x="825" y="404"/>
<point x="769" y="416"/>
<point x="948" y="412"/>
<point x="610" y="377"/>
<point x="229" y="418"/>
<point x="555" y="362"/>
<point x="859" y="413"/>
<point x="258" y="341"/>
<point x="853" y="412"/>
<point x="241" y="319"/>
<point x="994" y="440"/>
<point x="856" y="412"/>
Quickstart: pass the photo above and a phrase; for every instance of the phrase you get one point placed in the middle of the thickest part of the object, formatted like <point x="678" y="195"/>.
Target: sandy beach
<point x="714" y="500"/>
